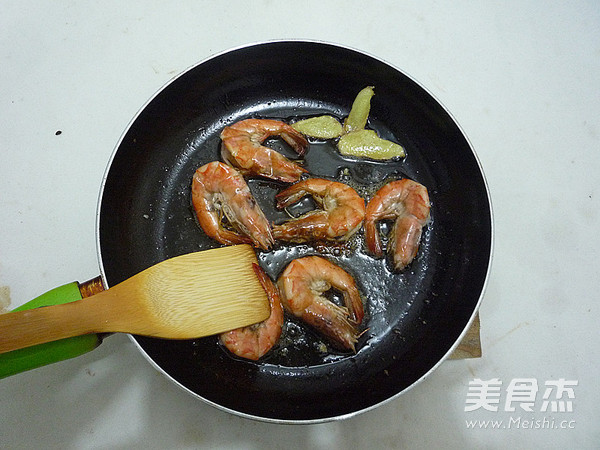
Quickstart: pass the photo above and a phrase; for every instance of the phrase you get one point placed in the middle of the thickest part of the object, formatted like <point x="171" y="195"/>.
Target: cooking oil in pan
<point x="387" y="295"/>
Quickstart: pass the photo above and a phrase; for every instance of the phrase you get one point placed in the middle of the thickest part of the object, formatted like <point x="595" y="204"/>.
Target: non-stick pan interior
<point x="412" y="318"/>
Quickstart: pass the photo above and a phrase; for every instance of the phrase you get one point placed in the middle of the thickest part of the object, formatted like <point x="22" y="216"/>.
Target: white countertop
<point x="522" y="80"/>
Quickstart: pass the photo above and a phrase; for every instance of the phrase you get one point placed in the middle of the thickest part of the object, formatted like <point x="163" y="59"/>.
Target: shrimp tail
<point x="405" y="239"/>
<point x="335" y="325"/>
<point x="373" y="238"/>
<point x="297" y="141"/>
<point x="290" y="195"/>
<point x="354" y="305"/>
<point x="230" y="238"/>
<point x="296" y="230"/>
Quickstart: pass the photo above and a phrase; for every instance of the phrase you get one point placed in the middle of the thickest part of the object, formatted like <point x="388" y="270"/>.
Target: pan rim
<point x="421" y="86"/>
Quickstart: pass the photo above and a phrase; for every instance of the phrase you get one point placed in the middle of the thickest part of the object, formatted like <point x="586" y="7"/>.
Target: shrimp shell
<point x="219" y="191"/>
<point x="302" y="285"/>
<point x="254" y="341"/>
<point x="407" y="203"/>
<point x="342" y="213"/>
<point x="242" y="148"/>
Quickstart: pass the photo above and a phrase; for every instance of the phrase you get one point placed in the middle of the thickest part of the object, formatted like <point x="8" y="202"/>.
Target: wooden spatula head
<point x="186" y="297"/>
<point x="200" y="294"/>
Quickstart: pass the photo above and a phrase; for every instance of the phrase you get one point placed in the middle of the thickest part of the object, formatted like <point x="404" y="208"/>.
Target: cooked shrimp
<point x="302" y="285"/>
<point x="407" y="203"/>
<point x="219" y="191"/>
<point x="241" y="148"/>
<point x="341" y="214"/>
<point x="254" y="341"/>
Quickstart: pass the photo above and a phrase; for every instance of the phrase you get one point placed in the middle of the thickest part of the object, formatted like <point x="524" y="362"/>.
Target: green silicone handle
<point x="39" y="355"/>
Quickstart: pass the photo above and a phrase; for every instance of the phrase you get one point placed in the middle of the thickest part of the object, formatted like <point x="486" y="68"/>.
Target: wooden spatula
<point x="185" y="297"/>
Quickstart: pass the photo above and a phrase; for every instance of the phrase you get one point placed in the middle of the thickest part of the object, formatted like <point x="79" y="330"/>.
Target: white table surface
<point x="520" y="77"/>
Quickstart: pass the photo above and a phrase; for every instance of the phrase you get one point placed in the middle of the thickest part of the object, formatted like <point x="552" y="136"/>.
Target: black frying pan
<point x="414" y="318"/>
